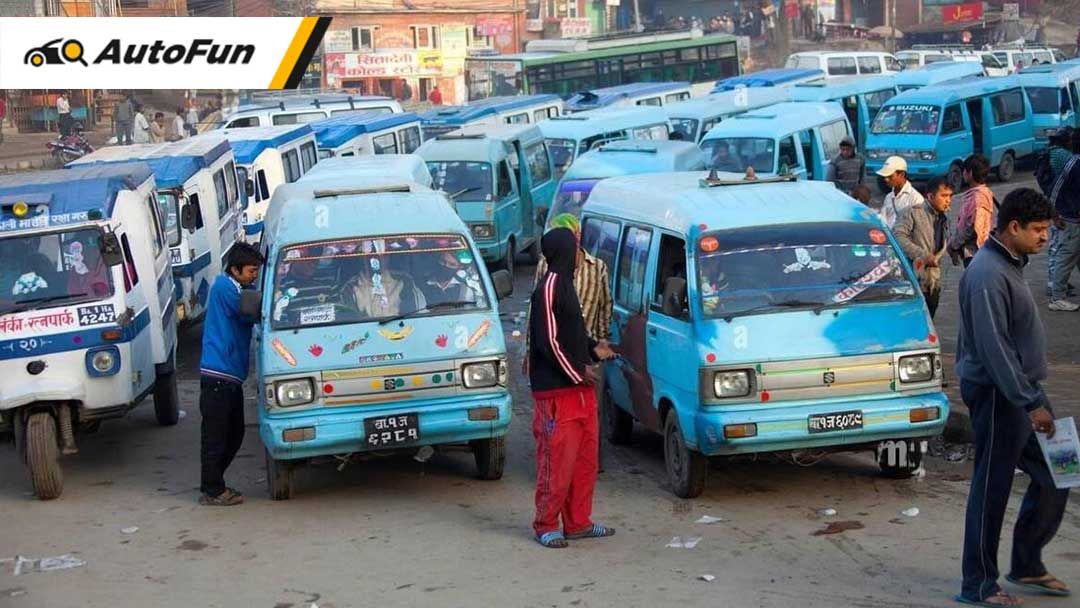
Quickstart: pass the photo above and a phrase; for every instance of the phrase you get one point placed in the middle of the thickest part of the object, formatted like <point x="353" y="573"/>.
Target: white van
<point x="285" y="109"/>
<point x="1010" y="56"/>
<point x="925" y="54"/>
<point x="836" y="64"/>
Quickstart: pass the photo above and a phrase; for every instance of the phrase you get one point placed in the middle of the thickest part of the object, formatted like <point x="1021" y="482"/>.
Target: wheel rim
<point x="674" y="454"/>
<point x="1007" y="166"/>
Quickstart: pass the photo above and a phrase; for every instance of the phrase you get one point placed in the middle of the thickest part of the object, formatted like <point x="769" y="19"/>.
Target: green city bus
<point x="565" y="67"/>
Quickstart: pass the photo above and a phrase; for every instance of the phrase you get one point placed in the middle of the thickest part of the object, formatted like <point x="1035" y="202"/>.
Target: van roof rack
<point x="712" y="180"/>
<point x="353" y="191"/>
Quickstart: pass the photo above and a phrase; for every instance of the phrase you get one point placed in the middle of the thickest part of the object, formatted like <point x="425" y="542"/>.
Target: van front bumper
<point x="340" y="430"/>
<point x="784" y="427"/>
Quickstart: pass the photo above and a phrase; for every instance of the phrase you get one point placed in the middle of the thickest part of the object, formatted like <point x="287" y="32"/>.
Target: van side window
<point x="673" y="97"/>
<point x="601" y="238"/>
<point x="222" y="194"/>
<point x="308" y="155"/>
<point x="385" y="144"/>
<point x="537" y="157"/>
<point x="250" y="121"/>
<point x="298" y="118"/>
<point x="876" y="99"/>
<point x="650" y="101"/>
<point x="131" y="275"/>
<point x="892" y="64"/>
<point x="1073" y="96"/>
<point x="869" y="65"/>
<point x="194" y="202"/>
<point x="831" y="134"/>
<point x="263" y="188"/>
<point x="505" y="186"/>
<point x="633" y="260"/>
<point x="807" y="141"/>
<point x="292" y="166"/>
<point x="788" y="156"/>
<point x="539" y="115"/>
<point x="672" y="264"/>
<point x="953" y="120"/>
<point x="1008" y="107"/>
<point x="515" y="119"/>
<point x="230" y="183"/>
<point x="157" y="238"/>
<point x="842" y="66"/>
<point x="410" y="139"/>
<point x="1063" y="103"/>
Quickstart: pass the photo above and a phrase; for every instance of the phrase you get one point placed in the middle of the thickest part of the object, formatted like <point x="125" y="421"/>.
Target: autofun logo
<point x="59" y="52"/>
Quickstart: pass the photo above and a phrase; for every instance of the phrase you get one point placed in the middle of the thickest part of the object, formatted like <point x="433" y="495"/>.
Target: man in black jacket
<point x="562" y="374"/>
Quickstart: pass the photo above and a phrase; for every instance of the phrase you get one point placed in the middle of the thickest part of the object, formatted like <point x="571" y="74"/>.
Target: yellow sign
<point x="429" y="61"/>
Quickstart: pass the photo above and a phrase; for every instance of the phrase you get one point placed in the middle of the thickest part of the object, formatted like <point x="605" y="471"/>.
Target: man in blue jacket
<point x="223" y="369"/>
<point x="1001" y="362"/>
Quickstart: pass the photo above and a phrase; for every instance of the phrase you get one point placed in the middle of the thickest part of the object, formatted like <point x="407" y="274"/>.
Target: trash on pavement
<point x="836" y="527"/>
<point x="684" y="542"/>
<point x="708" y="519"/>
<point x="25" y="565"/>
<point x="827" y="512"/>
<point x="708" y="578"/>
<point x="131" y="530"/>
<point x="911" y="512"/>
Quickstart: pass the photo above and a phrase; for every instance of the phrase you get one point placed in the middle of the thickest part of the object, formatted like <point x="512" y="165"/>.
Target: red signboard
<point x="494" y="25"/>
<point x="959" y="13"/>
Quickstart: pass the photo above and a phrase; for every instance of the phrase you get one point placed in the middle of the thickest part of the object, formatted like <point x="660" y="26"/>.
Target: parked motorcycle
<point x="70" y="147"/>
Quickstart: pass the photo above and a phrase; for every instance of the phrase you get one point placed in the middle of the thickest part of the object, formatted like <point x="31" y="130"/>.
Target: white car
<point x="837" y="64"/>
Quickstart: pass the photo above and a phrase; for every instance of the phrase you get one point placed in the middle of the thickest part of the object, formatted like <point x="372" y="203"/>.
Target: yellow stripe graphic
<point x="288" y="62"/>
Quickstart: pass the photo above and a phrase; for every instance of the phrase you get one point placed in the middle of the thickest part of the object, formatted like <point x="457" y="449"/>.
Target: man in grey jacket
<point x="124" y="118"/>
<point x="922" y="232"/>
<point x="846" y="168"/>
<point x="1001" y="361"/>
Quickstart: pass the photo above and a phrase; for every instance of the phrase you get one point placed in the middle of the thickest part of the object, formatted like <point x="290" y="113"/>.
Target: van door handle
<point x="652" y="331"/>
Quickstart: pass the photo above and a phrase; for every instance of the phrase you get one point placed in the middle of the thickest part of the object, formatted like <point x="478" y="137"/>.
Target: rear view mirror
<point x="249" y="187"/>
<point x="674" y="303"/>
<point x="187" y="217"/>
<point x="251" y="303"/>
<point x="111" y="253"/>
<point x="503" y="282"/>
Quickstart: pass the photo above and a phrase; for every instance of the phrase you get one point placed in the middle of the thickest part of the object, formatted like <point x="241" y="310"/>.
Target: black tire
<point x="901" y="461"/>
<point x="686" y="468"/>
<point x="1007" y="169"/>
<point x="490" y="457"/>
<point x="535" y="254"/>
<point x="166" y="399"/>
<point x="43" y="456"/>
<point x="618" y="424"/>
<point x="279" y="478"/>
<point x="507" y="263"/>
<point x="955" y="177"/>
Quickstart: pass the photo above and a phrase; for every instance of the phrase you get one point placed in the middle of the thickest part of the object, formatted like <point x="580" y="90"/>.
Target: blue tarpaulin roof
<point x="336" y="131"/>
<point x="767" y="78"/>
<point x="173" y="163"/>
<point x="249" y="142"/>
<point x="70" y="193"/>
<point x="599" y="98"/>
<point x="476" y="110"/>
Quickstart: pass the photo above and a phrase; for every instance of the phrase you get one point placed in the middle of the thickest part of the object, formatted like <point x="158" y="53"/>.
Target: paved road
<point x="401" y="533"/>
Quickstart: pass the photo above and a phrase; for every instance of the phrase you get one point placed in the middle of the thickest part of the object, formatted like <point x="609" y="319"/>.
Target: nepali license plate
<point x="390" y="431"/>
<point x="840" y="421"/>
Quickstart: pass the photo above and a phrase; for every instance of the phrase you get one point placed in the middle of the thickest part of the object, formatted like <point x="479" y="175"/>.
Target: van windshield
<point x="168" y="204"/>
<point x="562" y="154"/>
<point x="463" y="181"/>
<point x="686" y="126"/>
<point x="826" y="264"/>
<point x="906" y="119"/>
<point x="1045" y="100"/>
<point x="910" y="60"/>
<point x="53" y="269"/>
<point x="358" y="280"/>
<point x="735" y="154"/>
<point x="572" y="196"/>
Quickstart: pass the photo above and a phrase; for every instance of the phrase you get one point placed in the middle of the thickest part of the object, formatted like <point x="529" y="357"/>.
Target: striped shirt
<point x="594" y="294"/>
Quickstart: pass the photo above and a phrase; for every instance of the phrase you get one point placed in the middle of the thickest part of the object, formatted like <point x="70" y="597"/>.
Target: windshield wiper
<point x="815" y="305"/>
<point x="26" y="305"/>
<point x="463" y="191"/>
<point x="430" y="308"/>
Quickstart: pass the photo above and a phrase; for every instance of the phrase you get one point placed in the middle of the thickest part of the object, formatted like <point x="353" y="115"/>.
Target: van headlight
<point x="483" y="231"/>
<point x="103" y="361"/>
<point x="484" y="374"/>
<point x="928" y="155"/>
<point x="731" y="383"/>
<point x="290" y="393"/>
<point x="916" y="368"/>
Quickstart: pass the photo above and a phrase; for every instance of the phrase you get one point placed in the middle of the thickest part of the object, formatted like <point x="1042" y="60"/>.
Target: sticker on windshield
<point x="803" y="261"/>
<point x="73" y="258"/>
<point x="865" y="282"/>
<point x="317" y="314"/>
<point x="283" y="302"/>
<point x="28" y="283"/>
<point x="96" y="314"/>
<point x="858" y="251"/>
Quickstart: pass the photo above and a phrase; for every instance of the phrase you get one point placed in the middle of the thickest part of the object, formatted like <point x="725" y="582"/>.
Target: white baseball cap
<point x="892" y="165"/>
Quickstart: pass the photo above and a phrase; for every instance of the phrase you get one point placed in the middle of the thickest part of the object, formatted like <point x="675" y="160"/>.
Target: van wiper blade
<point x="433" y="307"/>
<point x="463" y="191"/>
<point x="813" y="304"/>
<point x="26" y="305"/>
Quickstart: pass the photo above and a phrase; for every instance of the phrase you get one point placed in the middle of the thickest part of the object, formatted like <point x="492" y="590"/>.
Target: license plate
<point x="840" y="421"/>
<point x="390" y="431"/>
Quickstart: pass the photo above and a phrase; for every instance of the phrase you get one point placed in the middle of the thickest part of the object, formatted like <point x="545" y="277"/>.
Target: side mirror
<point x="249" y="187"/>
<point x="187" y="217"/>
<point x="674" y="303"/>
<point x="541" y="216"/>
<point x="503" y="282"/>
<point x="111" y="253"/>
<point x="251" y="303"/>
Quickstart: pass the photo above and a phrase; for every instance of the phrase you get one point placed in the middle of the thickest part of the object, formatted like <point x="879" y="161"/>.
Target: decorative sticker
<point x="399" y="334"/>
<point x="876" y="273"/>
<point x="283" y="352"/>
<point x="317" y="314"/>
<point x="441" y="341"/>
<point x="381" y="357"/>
<point x="283" y="302"/>
<point x="803" y="261"/>
<point x="96" y="314"/>
<point x="480" y="332"/>
<point x="315" y="350"/>
<point x="351" y="346"/>
<point x="858" y="251"/>
<point x="28" y="283"/>
<point x="175" y="257"/>
<point x="73" y="258"/>
<point x="464" y="257"/>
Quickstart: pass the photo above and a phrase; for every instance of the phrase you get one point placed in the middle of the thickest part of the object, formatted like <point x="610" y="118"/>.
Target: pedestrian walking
<point x="3" y="114"/>
<point x="1065" y="198"/>
<point x="435" y="96"/>
<point x="976" y="217"/>
<point x="157" y="128"/>
<point x="1063" y="144"/>
<point x="179" y="129"/>
<point x="223" y="369"/>
<point x="191" y="118"/>
<point x="1001" y="363"/>
<point x="124" y="119"/>
<point x="922" y="232"/>
<point x="63" y="114"/>
<point x="562" y="372"/>
<point x="847" y="167"/>
<point x="141" y="127"/>
<point x="901" y="194"/>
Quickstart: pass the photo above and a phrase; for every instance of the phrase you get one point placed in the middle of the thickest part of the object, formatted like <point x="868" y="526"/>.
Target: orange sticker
<point x="709" y="244"/>
<point x="283" y="352"/>
<point x="479" y="333"/>
<point x="877" y="237"/>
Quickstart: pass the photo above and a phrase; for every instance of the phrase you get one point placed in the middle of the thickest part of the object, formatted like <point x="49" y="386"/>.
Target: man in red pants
<point x="561" y="358"/>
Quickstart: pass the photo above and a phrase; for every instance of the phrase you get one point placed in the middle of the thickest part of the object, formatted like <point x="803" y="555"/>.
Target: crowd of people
<point x="132" y="122"/>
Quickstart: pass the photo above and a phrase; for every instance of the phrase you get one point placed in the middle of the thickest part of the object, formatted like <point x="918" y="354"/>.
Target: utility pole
<point x="637" y="17"/>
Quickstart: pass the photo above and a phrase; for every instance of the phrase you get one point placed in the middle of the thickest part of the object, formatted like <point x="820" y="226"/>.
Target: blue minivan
<point x="935" y="73"/>
<point x="936" y="127"/>
<point x="860" y="97"/>
<point x="693" y="118"/>
<point x="1052" y="91"/>
<point x="765" y="316"/>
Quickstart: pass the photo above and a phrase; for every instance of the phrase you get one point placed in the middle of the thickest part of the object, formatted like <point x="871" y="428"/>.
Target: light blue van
<point x="631" y="94"/>
<point x="1052" y="91"/>
<point x="936" y="127"/>
<point x="626" y="157"/>
<point x="936" y="73"/>
<point x="515" y="109"/>
<point x="501" y="181"/>
<point x="366" y="133"/>
<point x="693" y="118"/>
<point x="799" y="138"/>
<point x="861" y="97"/>
<point x="200" y="200"/>
<point x="774" y="77"/>
<point x="571" y="136"/>
<point x="379" y="330"/>
<point x="761" y="316"/>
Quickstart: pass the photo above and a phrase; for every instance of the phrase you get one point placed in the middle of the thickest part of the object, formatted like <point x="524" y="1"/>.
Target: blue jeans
<point x="1065" y="258"/>
<point x="1051" y="249"/>
<point x="1004" y="441"/>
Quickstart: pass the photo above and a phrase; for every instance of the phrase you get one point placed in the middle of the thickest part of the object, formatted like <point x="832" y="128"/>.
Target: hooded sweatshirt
<point x="560" y="349"/>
